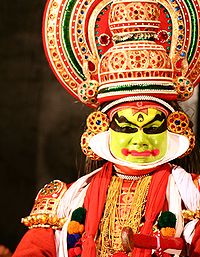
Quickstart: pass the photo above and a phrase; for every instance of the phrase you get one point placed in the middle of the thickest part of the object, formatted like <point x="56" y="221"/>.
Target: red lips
<point x="153" y="152"/>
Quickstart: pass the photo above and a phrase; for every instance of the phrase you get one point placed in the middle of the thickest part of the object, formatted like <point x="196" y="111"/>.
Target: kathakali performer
<point x="132" y="61"/>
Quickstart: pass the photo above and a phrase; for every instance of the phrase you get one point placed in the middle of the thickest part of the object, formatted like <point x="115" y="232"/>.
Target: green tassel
<point x="79" y="215"/>
<point x="167" y="219"/>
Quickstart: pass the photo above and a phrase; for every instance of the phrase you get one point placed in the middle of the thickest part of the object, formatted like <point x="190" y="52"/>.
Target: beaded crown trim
<point x="141" y="88"/>
<point x="139" y="84"/>
<point x="138" y="98"/>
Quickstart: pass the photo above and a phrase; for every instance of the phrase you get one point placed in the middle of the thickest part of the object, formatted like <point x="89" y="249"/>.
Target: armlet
<point x="44" y="212"/>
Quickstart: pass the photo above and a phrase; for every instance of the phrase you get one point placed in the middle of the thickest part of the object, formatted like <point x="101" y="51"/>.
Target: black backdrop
<point x="40" y="124"/>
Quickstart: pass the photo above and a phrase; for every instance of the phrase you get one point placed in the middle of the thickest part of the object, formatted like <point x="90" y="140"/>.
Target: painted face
<point x="138" y="136"/>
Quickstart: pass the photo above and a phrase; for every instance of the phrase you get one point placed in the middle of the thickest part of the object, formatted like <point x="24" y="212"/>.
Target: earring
<point x="85" y="139"/>
<point x="184" y="88"/>
<point x="178" y="122"/>
<point x="87" y="92"/>
<point x="96" y="122"/>
<point x="190" y="135"/>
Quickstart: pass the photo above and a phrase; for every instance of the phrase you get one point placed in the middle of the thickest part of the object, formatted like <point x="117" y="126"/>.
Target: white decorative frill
<point x="176" y="146"/>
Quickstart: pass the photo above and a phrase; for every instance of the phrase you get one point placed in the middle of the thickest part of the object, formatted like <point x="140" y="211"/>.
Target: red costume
<point x="132" y="61"/>
<point x="34" y="241"/>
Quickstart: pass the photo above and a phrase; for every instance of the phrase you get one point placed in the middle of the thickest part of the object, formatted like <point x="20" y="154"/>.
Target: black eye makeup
<point x="121" y="124"/>
<point x="154" y="126"/>
<point x="153" y="129"/>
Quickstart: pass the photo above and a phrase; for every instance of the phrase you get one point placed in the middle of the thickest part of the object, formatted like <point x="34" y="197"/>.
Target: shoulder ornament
<point x="44" y="212"/>
<point x="191" y="215"/>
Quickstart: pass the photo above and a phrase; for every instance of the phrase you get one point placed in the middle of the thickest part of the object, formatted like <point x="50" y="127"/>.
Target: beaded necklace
<point x="124" y="207"/>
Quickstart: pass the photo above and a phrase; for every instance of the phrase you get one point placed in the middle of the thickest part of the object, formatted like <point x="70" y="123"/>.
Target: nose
<point x="140" y="139"/>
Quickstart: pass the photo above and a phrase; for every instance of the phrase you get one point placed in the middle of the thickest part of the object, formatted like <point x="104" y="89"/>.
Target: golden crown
<point x="102" y="50"/>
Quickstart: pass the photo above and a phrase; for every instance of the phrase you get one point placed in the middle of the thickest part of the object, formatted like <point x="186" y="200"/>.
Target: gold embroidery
<point x="124" y="208"/>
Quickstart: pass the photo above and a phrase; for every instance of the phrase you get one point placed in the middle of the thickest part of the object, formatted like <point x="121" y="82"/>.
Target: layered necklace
<point x="125" y="206"/>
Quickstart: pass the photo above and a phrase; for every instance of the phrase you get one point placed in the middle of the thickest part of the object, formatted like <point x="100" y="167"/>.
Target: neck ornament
<point x="128" y="177"/>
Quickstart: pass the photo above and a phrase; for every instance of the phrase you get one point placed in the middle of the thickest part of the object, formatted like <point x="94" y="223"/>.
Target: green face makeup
<point x="138" y="136"/>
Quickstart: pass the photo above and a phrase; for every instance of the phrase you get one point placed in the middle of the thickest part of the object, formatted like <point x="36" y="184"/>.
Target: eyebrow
<point x="158" y="117"/>
<point x="122" y="119"/>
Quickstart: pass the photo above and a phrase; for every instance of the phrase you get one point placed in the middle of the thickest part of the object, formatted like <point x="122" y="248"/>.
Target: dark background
<point x="40" y="123"/>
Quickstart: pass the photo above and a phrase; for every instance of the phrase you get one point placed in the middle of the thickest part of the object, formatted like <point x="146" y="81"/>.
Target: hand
<point x="130" y="240"/>
<point x="127" y="237"/>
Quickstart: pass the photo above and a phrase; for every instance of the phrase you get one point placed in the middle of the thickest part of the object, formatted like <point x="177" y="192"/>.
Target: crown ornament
<point x="106" y="52"/>
<point x="103" y="50"/>
<point x="136" y="64"/>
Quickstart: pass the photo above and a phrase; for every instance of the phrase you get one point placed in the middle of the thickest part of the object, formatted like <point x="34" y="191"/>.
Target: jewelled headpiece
<point x="106" y="52"/>
<point x="103" y="50"/>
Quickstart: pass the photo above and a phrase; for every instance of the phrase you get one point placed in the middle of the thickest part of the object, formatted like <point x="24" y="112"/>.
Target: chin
<point x="141" y="160"/>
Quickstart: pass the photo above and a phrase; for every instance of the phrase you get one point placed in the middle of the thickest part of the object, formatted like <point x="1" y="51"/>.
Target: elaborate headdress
<point x="110" y="52"/>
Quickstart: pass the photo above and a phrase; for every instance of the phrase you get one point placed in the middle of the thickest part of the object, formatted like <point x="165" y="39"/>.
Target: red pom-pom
<point x="120" y="254"/>
<point x="74" y="252"/>
<point x="71" y="252"/>
<point x="77" y="250"/>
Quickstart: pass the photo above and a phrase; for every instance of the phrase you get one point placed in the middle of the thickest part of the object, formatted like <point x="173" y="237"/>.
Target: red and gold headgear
<point x="107" y="53"/>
